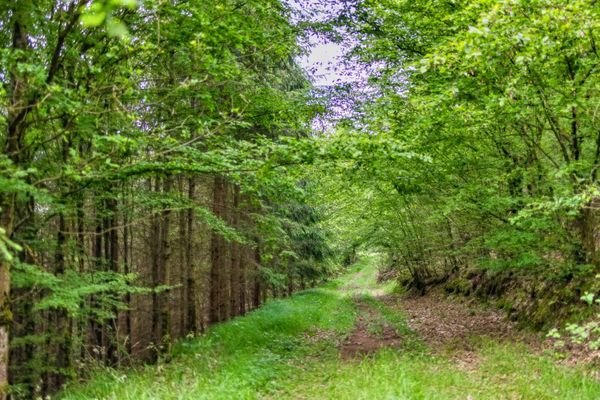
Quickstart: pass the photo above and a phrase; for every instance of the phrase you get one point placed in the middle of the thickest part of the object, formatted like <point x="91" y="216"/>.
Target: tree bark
<point x="216" y="263"/>
<point x="257" y="294"/>
<point x="235" y="257"/>
<point x="161" y="242"/>
<point x="61" y="324"/>
<point x="5" y="318"/>
<point x="111" y="243"/>
<point x="126" y="314"/>
<point x="17" y="113"/>
<point x="225" y="256"/>
<point x="95" y="328"/>
<point x="192" y="325"/>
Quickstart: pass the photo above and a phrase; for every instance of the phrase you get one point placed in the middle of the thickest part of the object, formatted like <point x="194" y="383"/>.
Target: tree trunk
<point x="257" y="295"/>
<point x="17" y="113"/>
<point x="225" y="257"/>
<point x="290" y="277"/>
<point x="159" y="273"/>
<point x="5" y="318"/>
<point x="96" y="331"/>
<point x="192" y="325"/>
<point x="126" y="314"/>
<point x="111" y="242"/>
<point x="216" y="263"/>
<point x="235" y="257"/>
<point x="179" y="306"/>
<point x="61" y="327"/>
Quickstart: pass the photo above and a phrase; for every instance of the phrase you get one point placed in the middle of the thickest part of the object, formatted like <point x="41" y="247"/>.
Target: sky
<point x="324" y="58"/>
<point x="324" y="63"/>
<point x="327" y="67"/>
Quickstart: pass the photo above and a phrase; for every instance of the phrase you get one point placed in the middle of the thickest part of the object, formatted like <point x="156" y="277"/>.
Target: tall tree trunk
<point x="60" y="328"/>
<point x="290" y="278"/>
<point x="6" y="319"/>
<point x="17" y="113"/>
<point x="257" y="295"/>
<point x="96" y="331"/>
<point x="111" y="243"/>
<point x="192" y="325"/>
<point x="83" y="341"/>
<point x="5" y="312"/>
<point x="234" y="275"/>
<point x="225" y="250"/>
<point x="179" y="305"/>
<point x="216" y="256"/>
<point x="161" y="242"/>
<point x="126" y="314"/>
<point x="243" y="283"/>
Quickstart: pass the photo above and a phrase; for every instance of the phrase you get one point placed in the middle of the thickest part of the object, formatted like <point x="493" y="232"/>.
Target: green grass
<point x="238" y="359"/>
<point x="506" y="372"/>
<point x="288" y="350"/>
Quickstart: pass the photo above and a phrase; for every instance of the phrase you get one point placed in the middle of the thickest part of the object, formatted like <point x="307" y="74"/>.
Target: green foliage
<point x="490" y="108"/>
<point x="7" y="247"/>
<point x="69" y="291"/>
<point x="213" y="91"/>
<point x="106" y="108"/>
<point x="477" y="146"/>
<point x="587" y="333"/>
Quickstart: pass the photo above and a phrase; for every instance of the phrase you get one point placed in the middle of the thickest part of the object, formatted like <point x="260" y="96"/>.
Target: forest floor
<point x="355" y="338"/>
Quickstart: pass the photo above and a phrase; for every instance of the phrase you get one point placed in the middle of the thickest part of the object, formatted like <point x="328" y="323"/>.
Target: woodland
<point x="187" y="213"/>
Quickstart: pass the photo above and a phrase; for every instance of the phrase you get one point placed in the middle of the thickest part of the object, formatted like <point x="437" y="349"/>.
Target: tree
<point x="117" y="118"/>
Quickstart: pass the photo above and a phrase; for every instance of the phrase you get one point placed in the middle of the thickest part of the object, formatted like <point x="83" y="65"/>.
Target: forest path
<point x="353" y="338"/>
<point x="445" y="326"/>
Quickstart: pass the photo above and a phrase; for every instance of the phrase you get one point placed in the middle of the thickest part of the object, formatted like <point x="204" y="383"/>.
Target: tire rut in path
<point x="370" y="334"/>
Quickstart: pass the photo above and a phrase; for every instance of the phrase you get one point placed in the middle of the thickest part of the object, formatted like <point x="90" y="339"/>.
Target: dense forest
<point x="166" y="166"/>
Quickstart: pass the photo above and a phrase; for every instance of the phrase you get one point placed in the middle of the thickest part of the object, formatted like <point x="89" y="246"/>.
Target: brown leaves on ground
<point x="452" y="327"/>
<point x="443" y="323"/>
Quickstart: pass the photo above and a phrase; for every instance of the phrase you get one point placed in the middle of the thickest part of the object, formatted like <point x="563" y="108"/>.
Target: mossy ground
<point x="289" y="349"/>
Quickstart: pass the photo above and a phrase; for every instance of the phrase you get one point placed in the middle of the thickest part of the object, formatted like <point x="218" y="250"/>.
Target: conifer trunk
<point x="235" y="257"/>
<point x="5" y="320"/>
<point x="215" y="297"/>
<point x="257" y="294"/>
<point x="190" y="299"/>
<point x="17" y="113"/>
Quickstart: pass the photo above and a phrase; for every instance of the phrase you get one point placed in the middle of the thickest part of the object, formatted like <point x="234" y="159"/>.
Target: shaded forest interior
<point x="169" y="165"/>
<point x="130" y="217"/>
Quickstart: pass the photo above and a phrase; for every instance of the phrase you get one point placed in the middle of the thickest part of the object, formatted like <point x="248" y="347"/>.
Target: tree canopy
<point x="160" y="170"/>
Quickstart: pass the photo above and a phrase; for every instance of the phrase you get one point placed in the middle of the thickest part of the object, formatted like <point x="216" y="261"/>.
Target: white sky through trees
<point x="324" y="59"/>
<point x="341" y="81"/>
<point x="324" y="62"/>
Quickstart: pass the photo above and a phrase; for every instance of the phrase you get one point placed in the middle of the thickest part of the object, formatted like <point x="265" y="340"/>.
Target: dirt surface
<point x="370" y="334"/>
<point x="443" y="323"/>
<point x="448" y="326"/>
<point x="453" y="327"/>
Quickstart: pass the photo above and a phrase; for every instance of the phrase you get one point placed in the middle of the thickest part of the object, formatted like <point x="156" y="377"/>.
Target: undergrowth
<point x="289" y="350"/>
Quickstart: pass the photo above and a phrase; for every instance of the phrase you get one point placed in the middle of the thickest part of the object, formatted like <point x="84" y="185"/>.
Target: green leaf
<point x="588" y="298"/>
<point x="116" y="28"/>
<point x="131" y="4"/>
<point x="93" y="19"/>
